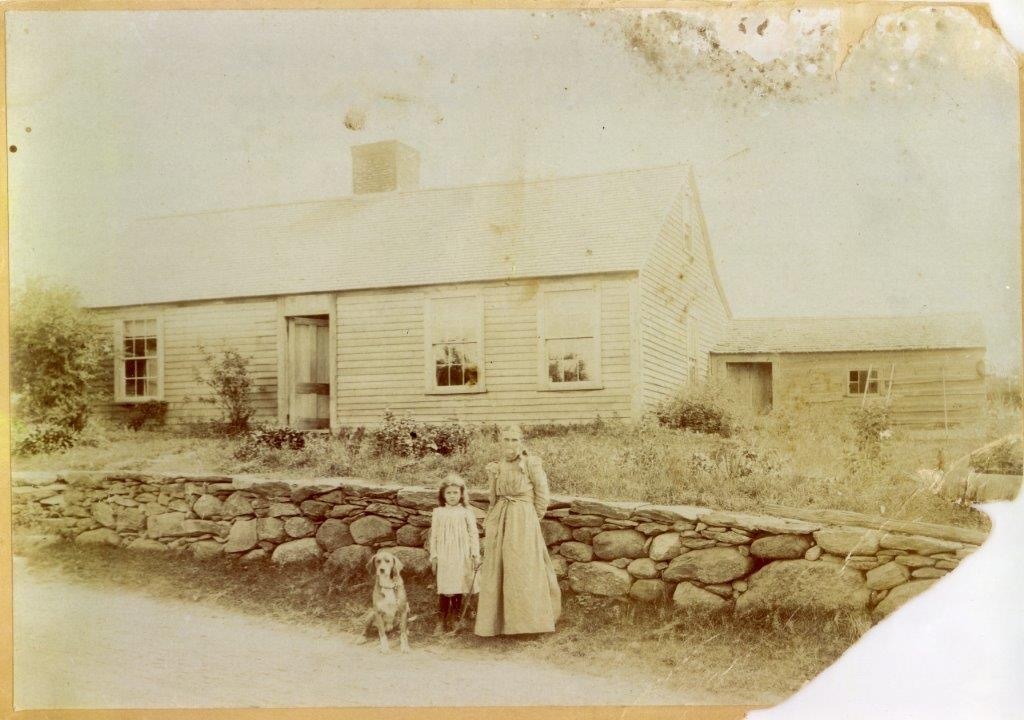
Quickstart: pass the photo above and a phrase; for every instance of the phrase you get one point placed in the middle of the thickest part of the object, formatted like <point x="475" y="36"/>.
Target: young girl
<point x="454" y="549"/>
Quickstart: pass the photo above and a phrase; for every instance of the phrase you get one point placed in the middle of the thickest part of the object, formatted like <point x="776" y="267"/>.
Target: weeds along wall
<point x="696" y="558"/>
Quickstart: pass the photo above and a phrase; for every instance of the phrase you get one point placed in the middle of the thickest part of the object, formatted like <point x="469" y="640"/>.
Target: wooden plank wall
<point x="249" y="326"/>
<point x="917" y="395"/>
<point x="675" y="286"/>
<point x="381" y="358"/>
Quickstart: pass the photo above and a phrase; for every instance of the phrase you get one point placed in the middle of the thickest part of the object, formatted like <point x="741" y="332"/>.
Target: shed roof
<point x="838" y="334"/>
<point x="568" y="226"/>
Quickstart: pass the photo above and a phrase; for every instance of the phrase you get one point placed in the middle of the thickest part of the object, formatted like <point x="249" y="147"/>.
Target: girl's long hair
<point x="452" y="480"/>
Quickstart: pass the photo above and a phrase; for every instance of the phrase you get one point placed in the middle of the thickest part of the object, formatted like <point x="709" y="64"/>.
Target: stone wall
<point x="697" y="558"/>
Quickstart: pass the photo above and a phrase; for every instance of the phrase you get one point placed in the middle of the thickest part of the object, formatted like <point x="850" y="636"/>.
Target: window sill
<point x="567" y="387"/>
<point x="137" y="400"/>
<point x="475" y="390"/>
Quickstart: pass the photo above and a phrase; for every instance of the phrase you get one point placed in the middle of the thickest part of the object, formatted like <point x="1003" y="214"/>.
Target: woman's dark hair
<point x="444" y="486"/>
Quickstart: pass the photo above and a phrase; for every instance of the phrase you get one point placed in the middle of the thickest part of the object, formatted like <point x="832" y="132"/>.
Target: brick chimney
<point x="384" y="166"/>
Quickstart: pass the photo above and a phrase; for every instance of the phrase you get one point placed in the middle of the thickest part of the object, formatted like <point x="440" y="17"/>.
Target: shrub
<point x="44" y="438"/>
<point x="151" y="412"/>
<point x="404" y="437"/>
<point x="227" y="374"/>
<point x="59" y="356"/>
<point x="1002" y="458"/>
<point x="703" y="408"/>
<point x="260" y="439"/>
<point x="872" y="423"/>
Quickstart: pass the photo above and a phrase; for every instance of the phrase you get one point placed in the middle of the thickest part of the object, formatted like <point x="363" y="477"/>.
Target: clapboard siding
<point x="381" y="357"/>
<point x="676" y="287"/>
<point x="929" y="387"/>
<point x="248" y="326"/>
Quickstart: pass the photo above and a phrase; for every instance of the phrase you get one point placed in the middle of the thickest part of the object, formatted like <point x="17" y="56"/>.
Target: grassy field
<point x="806" y="458"/>
<point x="750" y="662"/>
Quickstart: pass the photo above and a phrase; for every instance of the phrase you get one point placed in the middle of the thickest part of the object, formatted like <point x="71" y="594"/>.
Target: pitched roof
<point x="569" y="226"/>
<point x="794" y="335"/>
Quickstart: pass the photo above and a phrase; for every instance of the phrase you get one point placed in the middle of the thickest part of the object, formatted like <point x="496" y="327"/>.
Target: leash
<point x="465" y="605"/>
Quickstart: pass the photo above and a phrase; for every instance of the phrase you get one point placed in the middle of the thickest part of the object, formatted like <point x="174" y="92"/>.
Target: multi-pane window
<point x="455" y="347"/>
<point x="569" y="337"/>
<point x="863" y="382"/>
<point x="140" y="362"/>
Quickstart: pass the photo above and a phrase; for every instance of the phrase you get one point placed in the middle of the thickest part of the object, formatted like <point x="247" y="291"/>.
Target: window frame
<point x="429" y="367"/>
<point x="880" y="383"/>
<point x="120" y="396"/>
<point x="545" y="383"/>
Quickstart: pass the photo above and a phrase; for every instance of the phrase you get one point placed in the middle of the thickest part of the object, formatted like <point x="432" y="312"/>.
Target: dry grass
<point x="755" y="662"/>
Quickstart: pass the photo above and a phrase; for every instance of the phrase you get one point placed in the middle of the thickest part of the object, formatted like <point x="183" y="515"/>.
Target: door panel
<point x="753" y="382"/>
<point x="309" y="398"/>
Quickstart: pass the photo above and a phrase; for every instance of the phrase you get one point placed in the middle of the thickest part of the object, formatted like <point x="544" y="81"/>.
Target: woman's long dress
<point x="519" y="592"/>
<point x="454" y="542"/>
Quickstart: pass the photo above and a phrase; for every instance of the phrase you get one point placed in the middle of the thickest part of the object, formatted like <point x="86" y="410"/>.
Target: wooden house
<point x="544" y="301"/>
<point x="932" y="368"/>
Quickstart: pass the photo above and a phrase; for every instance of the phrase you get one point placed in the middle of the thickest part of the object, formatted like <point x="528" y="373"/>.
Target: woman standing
<point x="519" y="592"/>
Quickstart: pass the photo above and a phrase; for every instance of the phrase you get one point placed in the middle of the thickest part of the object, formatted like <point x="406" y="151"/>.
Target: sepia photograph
<point x="610" y="358"/>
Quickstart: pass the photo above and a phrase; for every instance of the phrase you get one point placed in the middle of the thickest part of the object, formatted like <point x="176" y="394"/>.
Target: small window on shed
<point x="864" y="382"/>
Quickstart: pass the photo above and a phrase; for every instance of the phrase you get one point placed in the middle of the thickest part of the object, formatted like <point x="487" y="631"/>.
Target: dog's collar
<point x="383" y="586"/>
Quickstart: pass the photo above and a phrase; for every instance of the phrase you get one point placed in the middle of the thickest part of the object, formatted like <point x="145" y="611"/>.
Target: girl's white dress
<point x="454" y="543"/>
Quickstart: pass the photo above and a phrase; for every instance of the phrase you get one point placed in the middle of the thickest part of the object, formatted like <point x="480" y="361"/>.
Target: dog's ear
<point x="397" y="568"/>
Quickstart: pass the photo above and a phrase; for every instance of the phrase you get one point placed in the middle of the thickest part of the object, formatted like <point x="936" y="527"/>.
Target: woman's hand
<point x="477" y="562"/>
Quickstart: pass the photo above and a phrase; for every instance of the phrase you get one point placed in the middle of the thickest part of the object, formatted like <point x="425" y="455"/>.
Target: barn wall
<point x="917" y="378"/>
<point x="677" y="287"/>
<point x="381" y="358"/>
<point x="249" y="326"/>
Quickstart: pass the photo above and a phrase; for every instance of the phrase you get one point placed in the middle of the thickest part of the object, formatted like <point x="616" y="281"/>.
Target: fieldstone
<point x="740" y="585"/>
<point x="178" y="505"/>
<point x="315" y="508"/>
<point x="415" y="561"/>
<point x="130" y="519"/>
<point x="200" y="527"/>
<point x="813" y="553"/>
<point x="242" y="537"/>
<point x="165" y="525"/>
<point x="604" y="508"/>
<point x="722" y="590"/>
<point x="887" y="576"/>
<point x="206" y="549"/>
<point x="599" y="578"/>
<point x="681" y="526"/>
<point x="337" y="497"/>
<point x="759" y="523"/>
<point x="270" y="528"/>
<point x="802" y="585"/>
<point x="713" y="565"/>
<point x="966" y="550"/>
<point x="848" y="541"/>
<point x="946" y="565"/>
<point x="419" y="521"/>
<point x="557" y="514"/>
<point x="781" y="547"/>
<point x="299" y="527"/>
<point x="560" y="565"/>
<point x="669" y="513"/>
<point x="237" y="504"/>
<point x="99" y="536"/>
<point x="260" y="486"/>
<point x="349" y="560"/>
<point x="409" y="535"/>
<point x="340" y="511"/>
<point x="920" y="544"/>
<point x="282" y="509"/>
<point x="160" y="509"/>
<point x="665" y="547"/>
<point x="297" y="551"/>
<point x="643" y="568"/>
<point x="310" y="489"/>
<point x="418" y="498"/>
<point x="77" y="511"/>
<point x="576" y="521"/>
<point x="387" y="510"/>
<point x="333" y="534"/>
<point x="877" y="596"/>
<point x="689" y="598"/>
<point x="54" y="501"/>
<point x="696" y="543"/>
<point x="104" y="514"/>
<point x="585" y="534"/>
<point x="554" y="532"/>
<point x="899" y="595"/>
<point x="620" y="563"/>
<point x="255" y="555"/>
<point x="576" y="551"/>
<point x="147" y="545"/>
<point x="613" y="544"/>
<point x="371" y="529"/>
<point x="648" y="590"/>
<point x="915" y="561"/>
<point x="928" y="572"/>
<point x="123" y="501"/>
<point x="730" y="537"/>
<point x="863" y="562"/>
<point x="651" y="528"/>
<point x="208" y="506"/>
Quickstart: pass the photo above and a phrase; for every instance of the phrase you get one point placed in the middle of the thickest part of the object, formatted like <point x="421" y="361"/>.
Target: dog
<point x="390" y="604"/>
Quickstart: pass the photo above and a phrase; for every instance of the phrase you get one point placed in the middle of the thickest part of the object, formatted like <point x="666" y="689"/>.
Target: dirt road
<point x="91" y="647"/>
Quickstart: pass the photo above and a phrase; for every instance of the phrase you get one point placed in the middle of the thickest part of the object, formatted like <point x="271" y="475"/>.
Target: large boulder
<point x="576" y="551"/>
<point x="297" y="551"/>
<point x="203" y="527"/>
<point x="299" y="527"/>
<point x="315" y="508"/>
<point x="418" y="498"/>
<point x="371" y="529"/>
<point x="848" y="540"/>
<point x="208" y="506"/>
<point x="712" y="565"/>
<point x="899" y="595"/>
<point x="99" y="536"/>
<point x="669" y="513"/>
<point x="206" y="549"/>
<point x="665" y="547"/>
<point x="803" y="586"/>
<point x="103" y="514"/>
<point x="242" y="537"/>
<point x="643" y="568"/>
<point x="649" y="590"/>
<point x="282" y="509"/>
<point x="415" y="561"/>
<point x="887" y="576"/>
<point x="237" y="504"/>
<point x="554" y="532"/>
<point x="604" y="508"/>
<point x="613" y="544"/>
<point x="921" y="544"/>
<point x="165" y="525"/>
<point x="333" y="534"/>
<point x="349" y="560"/>
<point x="130" y="518"/>
<point x="270" y="528"/>
<point x="781" y="547"/>
<point x="687" y="597"/>
<point x="410" y="535"/>
<point x="598" y="578"/>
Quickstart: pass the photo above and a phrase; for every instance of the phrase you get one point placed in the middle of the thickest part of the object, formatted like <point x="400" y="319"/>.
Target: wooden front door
<point x="309" y="386"/>
<point x="753" y="382"/>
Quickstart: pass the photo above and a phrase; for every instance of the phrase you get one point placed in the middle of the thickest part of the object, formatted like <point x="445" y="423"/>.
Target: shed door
<point x="753" y="382"/>
<point x="309" y="396"/>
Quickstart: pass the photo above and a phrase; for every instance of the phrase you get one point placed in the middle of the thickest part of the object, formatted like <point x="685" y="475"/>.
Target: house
<point x="931" y="368"/>
<point x="543" y="301"/>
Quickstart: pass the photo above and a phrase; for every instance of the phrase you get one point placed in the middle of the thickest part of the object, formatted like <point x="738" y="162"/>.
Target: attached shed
<point x="544" y="301"/>
<point x="931" y="367"/>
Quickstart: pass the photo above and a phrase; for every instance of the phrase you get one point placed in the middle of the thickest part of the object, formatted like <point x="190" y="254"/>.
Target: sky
<point x="885" y="181"/>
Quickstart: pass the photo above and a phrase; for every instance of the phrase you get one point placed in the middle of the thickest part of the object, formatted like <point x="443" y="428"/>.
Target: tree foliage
<point x="227" y="374"/>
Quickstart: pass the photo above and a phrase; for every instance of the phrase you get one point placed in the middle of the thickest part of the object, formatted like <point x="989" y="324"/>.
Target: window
<point x="139" y="371"/>
<point x="570" y="349"/>
<point x="864" y="382"/>
<point x="454" y="344"/>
